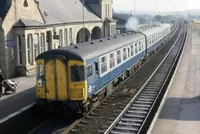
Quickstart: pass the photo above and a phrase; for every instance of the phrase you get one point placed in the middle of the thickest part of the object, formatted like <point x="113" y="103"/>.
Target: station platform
<point x="11" y="104"/>
<point x="180" y="112"/>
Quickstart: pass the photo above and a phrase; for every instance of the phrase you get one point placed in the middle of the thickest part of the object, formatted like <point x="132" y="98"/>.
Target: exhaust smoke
<point x="132" y="24"/>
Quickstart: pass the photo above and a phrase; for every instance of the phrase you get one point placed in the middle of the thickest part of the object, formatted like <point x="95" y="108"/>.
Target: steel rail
<point x="110" y="128"/>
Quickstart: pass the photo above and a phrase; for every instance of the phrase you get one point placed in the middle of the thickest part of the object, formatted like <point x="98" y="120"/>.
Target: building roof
<point x="4" y="7"/>
<point x="62" y="11"/>
<point x="28" y="23"/>
<point x="85" y="51"/>
<point x="110" y="19"/>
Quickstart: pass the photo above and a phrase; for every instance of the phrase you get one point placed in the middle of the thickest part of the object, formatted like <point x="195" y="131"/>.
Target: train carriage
<point x="76" y="74"/>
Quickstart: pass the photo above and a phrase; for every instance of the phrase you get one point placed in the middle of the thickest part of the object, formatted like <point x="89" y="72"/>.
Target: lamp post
<point x="134" y="6"/>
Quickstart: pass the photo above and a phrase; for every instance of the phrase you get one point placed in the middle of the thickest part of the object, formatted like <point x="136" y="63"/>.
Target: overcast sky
<point x="156" y="5"/>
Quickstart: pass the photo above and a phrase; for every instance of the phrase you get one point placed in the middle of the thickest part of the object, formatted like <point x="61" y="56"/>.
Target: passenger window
<point x="136" y="48"/>
<point x="112" y="60"/>
<point x="139" y="46"/>
<point x="89" y="71"/>
<point x="77" y="73"/>
<point x="119" y="59"/>
<point x="103" y="64"/>
<point x="40" y="71"/>
<point x="128" y="52"/>
<point x="143" y="44"/>
<point x="96" y="68"/>
<point x="132" y="50"/>
<point x="124" y="54"/>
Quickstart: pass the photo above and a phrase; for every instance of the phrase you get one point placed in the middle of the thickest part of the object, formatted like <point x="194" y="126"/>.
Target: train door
<point x="56" y="80"/>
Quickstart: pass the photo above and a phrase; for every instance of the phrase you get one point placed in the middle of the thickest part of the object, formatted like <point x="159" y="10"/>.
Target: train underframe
<point x="110" y="88"/>
<point x="92" y="102"/>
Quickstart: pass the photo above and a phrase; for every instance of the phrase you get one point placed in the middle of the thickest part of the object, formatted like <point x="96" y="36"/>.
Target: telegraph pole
<point x="83" y="20"/>
<point x="134" y="6"/>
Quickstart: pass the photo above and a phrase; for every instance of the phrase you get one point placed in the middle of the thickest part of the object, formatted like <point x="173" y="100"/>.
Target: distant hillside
<point x="185" y="13"/>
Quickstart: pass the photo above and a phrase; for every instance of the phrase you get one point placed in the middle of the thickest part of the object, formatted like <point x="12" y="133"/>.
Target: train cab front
<point x="60" y="81"/>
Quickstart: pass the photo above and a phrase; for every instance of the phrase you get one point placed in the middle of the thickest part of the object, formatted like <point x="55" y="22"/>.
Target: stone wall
<point x="16" y="12"/>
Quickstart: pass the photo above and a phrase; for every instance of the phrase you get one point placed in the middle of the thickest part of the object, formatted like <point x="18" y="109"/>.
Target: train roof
<point x="95" y="48"/>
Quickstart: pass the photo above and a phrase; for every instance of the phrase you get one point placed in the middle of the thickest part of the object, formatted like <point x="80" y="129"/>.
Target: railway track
<point x="135" y="115"/>
<point x="110" y="108"/>
<point x="59" y="124"/>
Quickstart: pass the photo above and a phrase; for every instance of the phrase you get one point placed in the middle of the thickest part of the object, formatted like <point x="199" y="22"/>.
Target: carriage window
<point x="124" y="53"/>
<point x="132" y="50"/>
<point x="148" y="42"/>
<point x="40" y="71"/>
<point x="136" y="48"/>
<point x="140" y="46"/>
<point x="77" y="73"/>
<point x="89" y="71"/>
<point x="96" y="68"/>
<point x="119" y="58"/>
<point x="103" y="64"/>
<point x="112" y="60"/>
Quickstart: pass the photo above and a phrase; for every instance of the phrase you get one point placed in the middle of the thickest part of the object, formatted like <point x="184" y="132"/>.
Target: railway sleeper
<point x="134" y="115"/>
<point x="118" y="132"/>
<point x="129" y="123"/>
<point x="142" y="105"/>
<point x="147" y="97"/>
<point x="139" y="108"/>
<point x="137" y="111"/>
<point x="139" y="120"/>
<point x="120" y="127"/>
<point x="143" y="102"/>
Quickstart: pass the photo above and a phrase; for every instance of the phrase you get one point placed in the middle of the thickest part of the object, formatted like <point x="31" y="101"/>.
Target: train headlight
<point x="39" y="82"/>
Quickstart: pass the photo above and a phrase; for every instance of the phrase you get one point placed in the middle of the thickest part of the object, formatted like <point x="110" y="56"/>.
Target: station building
<point x="30" y="27"/>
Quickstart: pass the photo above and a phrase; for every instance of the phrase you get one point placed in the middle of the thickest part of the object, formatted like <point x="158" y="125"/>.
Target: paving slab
<point x="181" y="111"/>
<point x="24" y="96"/>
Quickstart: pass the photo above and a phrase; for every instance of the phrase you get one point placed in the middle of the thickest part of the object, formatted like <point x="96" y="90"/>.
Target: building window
<point x="66" y="37"/>
<point x="119" y="58"/>
<point x="25" y="3"/>
<point x="103" y="64"/>
<point x="106" y="10"/>
<point x="36" y="46"/>
<point x="61" y="38"/>
<point x="19" y="49"/>
<point x="89" y="71"/>
<point x="124" y="53"/>
<point x="70" y="35"/>
<point x="113" y="30"/>
<point x="42" y="45"/>
<point x="29" y="48"/>
<point x="112" y="60"/>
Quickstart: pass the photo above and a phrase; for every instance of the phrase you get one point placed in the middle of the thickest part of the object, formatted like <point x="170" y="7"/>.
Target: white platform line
<point x="166" y="93"/>
<point x="16" y="113"/>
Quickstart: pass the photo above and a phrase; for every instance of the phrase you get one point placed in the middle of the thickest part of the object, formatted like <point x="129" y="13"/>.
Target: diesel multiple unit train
<point x="81" y="74"/>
